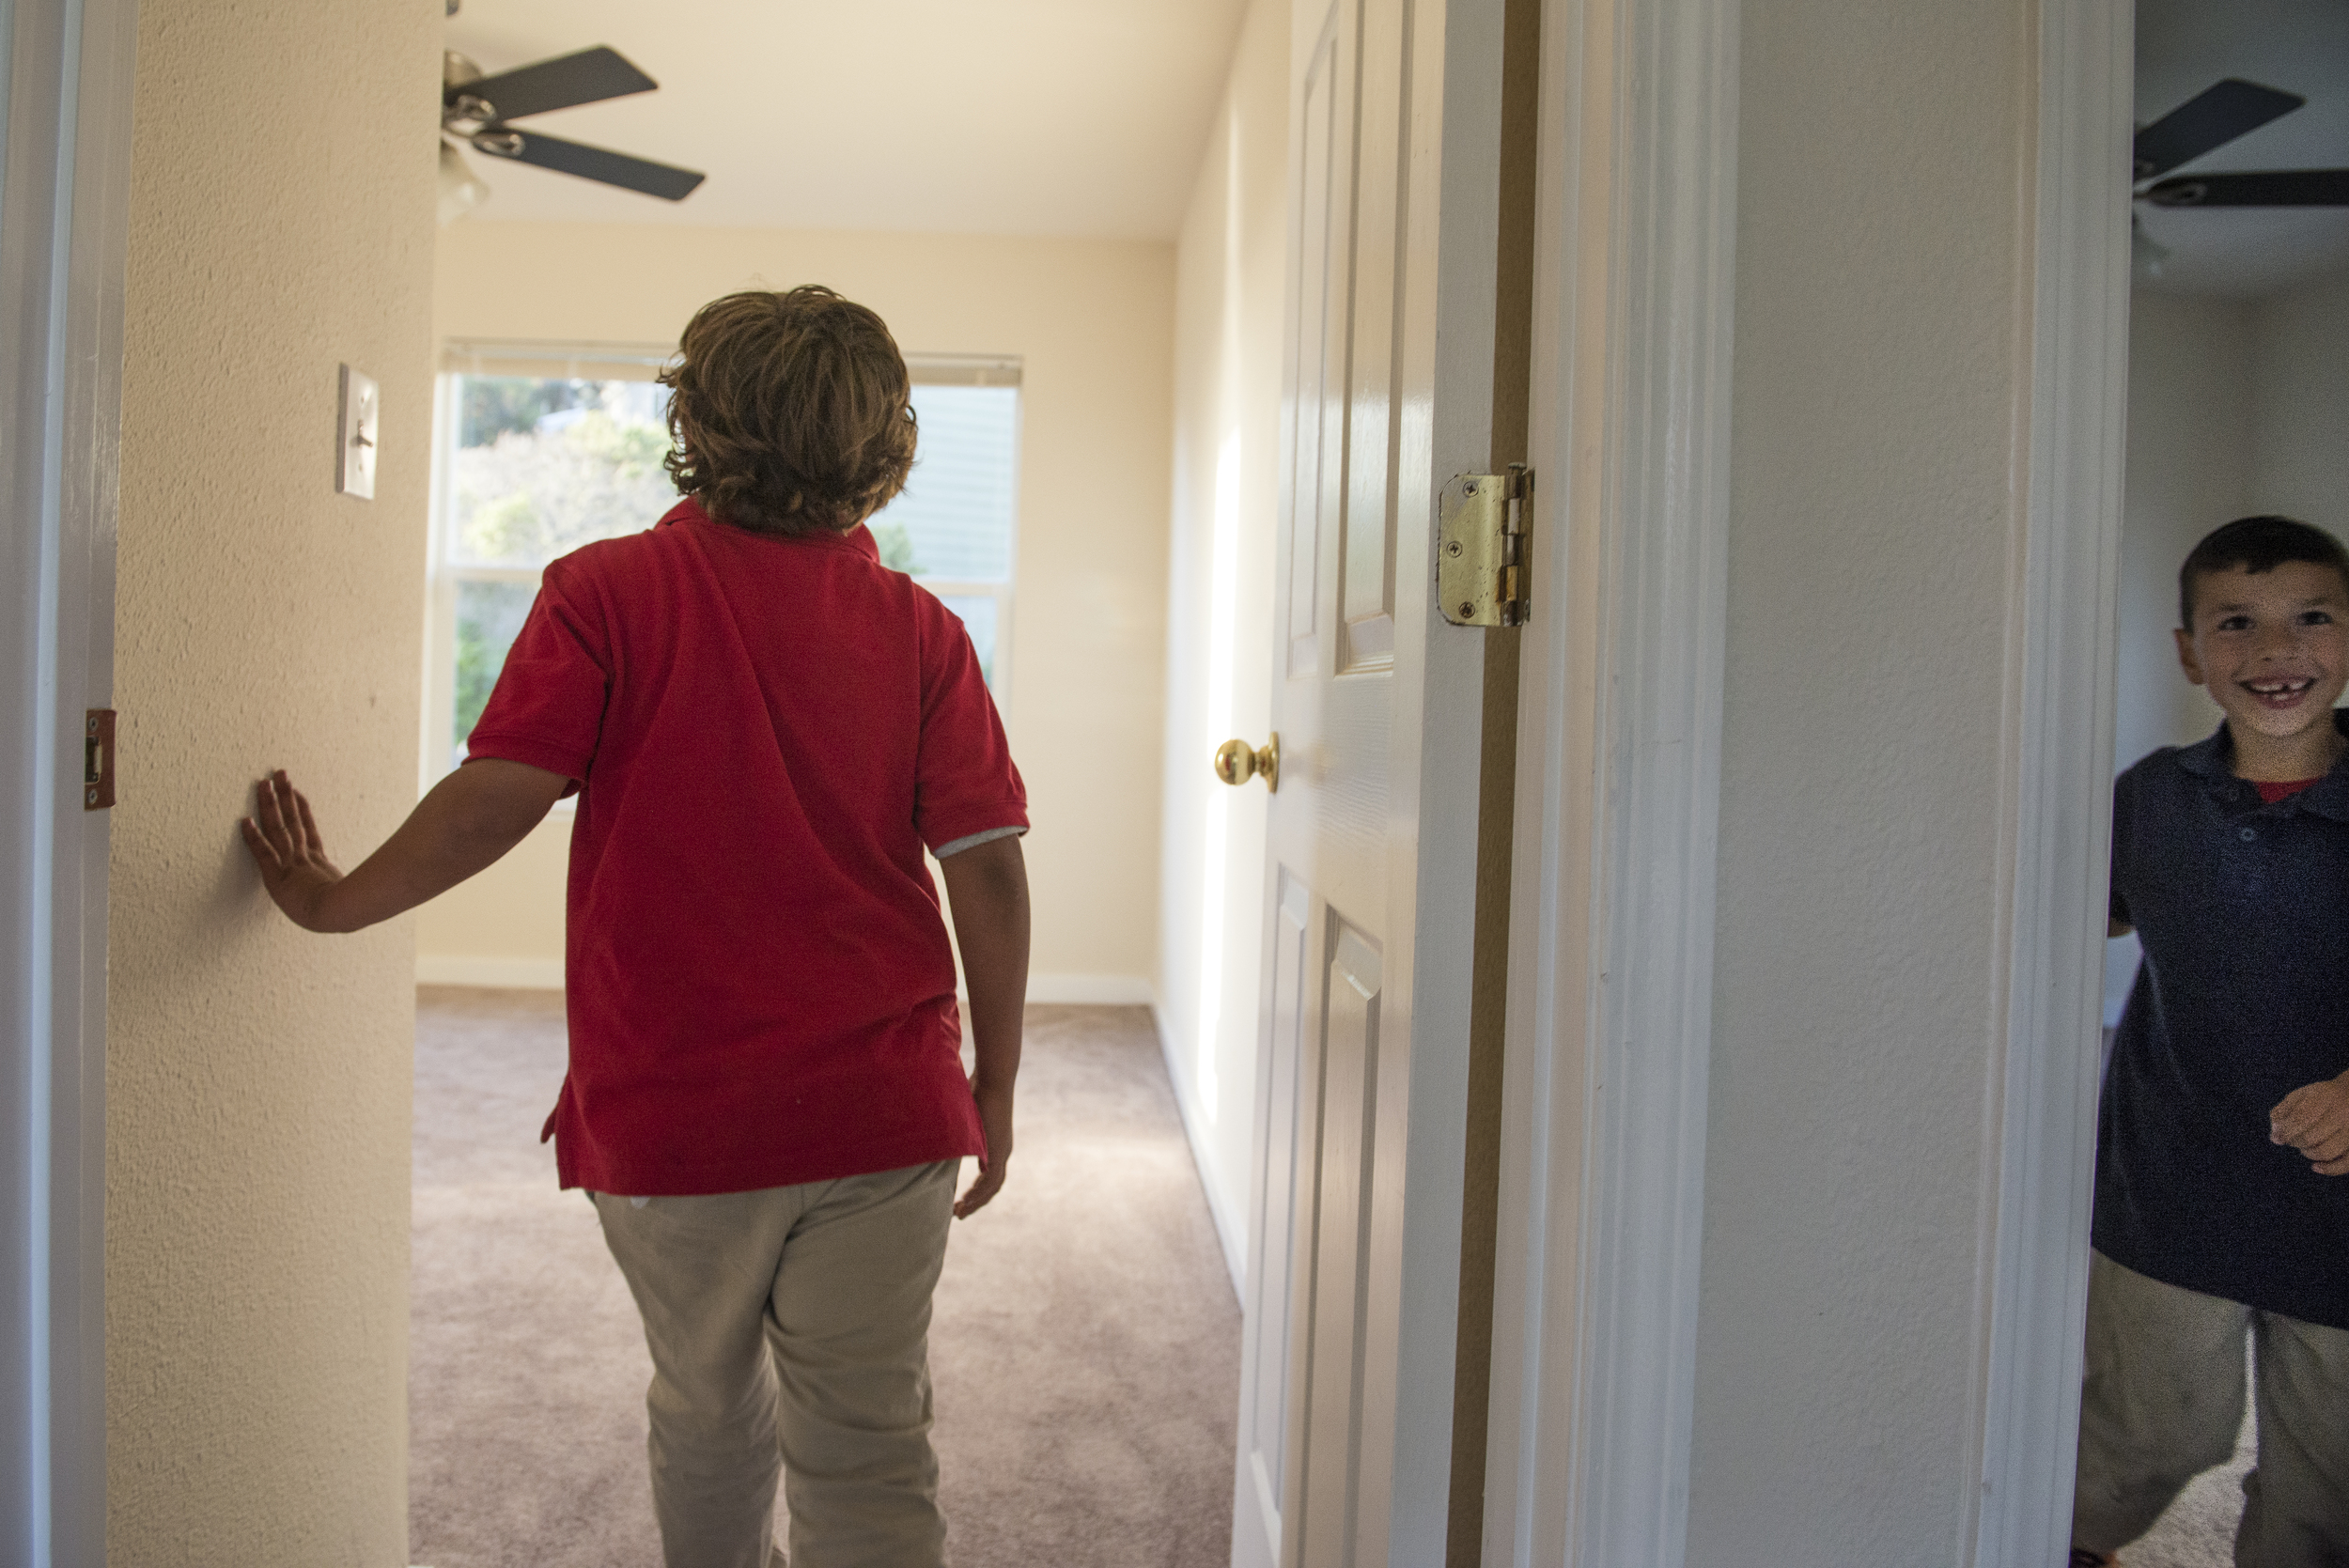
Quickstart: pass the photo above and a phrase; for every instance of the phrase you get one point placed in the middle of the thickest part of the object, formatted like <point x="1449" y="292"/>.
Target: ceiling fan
<point x="2208" y="121"/>
<point x="477" y="111"/>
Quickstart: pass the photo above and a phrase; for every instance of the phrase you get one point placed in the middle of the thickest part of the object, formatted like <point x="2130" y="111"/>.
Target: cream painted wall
<point x="1229" y="276"/>
<point x="257" y="1078"/>
<point x="2189" y="470"/>
<point x="2300" y="401"/>
<point x="1092" y="321"/>
<point x="1881" y="361"/>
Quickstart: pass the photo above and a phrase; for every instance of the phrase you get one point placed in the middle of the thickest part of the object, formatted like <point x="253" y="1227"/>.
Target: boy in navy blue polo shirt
<point x="2223" y="1135"/>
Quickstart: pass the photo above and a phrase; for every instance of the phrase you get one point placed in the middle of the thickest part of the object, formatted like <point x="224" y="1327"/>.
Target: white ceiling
<point x="988" y="117"/>
<point x="2300" y="46"/>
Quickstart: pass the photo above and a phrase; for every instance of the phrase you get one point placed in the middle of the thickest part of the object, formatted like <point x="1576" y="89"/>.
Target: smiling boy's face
<point x="2272" y="646"/>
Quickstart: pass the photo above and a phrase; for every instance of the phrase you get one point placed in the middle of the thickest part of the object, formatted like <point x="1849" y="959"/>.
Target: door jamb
<point x="64" y="222"/>
<point x="2058" y="791"/>
<point x="1618" y="789"/>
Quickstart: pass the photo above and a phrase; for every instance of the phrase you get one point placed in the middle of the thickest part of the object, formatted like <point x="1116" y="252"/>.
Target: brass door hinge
<point x="98" y="760"/>
<point x="1484" y="567"/>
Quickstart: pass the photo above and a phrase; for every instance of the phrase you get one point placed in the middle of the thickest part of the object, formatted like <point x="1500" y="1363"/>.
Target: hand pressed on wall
<point x="468" y="821"/>
<point x="2314" y="1119"/>
<point x="286" y="845"/>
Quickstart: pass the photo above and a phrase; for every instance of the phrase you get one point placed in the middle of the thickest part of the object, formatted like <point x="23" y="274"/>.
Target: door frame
<point x="1618" y="789"/>
<point x="64" y="222"/>
<point x="2056" y="794"/>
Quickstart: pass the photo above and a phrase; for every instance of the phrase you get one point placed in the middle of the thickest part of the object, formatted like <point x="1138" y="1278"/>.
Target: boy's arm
<point x="987" y="888"/>
<point x="469" y="819"/>
<point x="2314" y="1119"/>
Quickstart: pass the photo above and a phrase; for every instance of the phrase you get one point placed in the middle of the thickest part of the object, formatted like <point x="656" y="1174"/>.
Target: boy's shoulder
<point x="2179" y="767"/>
<point x="2154" y="797"/>
<point x="2161" y="761"/>
<point x="617" y="560"/>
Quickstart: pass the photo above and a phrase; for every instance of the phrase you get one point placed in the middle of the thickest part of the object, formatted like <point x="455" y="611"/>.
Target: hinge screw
<point x="1453" y="548"/>
<point x="1467" y="607"/>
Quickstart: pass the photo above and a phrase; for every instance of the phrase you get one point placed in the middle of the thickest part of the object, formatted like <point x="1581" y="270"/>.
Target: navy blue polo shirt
<point x="2243" y="909"/>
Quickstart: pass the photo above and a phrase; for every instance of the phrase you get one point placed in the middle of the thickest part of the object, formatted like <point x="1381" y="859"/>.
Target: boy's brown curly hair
<point x="791" y="412"/>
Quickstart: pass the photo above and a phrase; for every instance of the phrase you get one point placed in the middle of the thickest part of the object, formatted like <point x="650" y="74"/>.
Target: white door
<point x="1352" y="1324"/>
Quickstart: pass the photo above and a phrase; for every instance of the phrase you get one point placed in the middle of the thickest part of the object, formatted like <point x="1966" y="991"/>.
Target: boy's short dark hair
<point x="2256" y="545"/>
<point x="791" y="412"/>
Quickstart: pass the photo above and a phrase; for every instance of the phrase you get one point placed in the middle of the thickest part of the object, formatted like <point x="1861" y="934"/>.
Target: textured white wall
<point x="257" y="1078"/>
<point x="1228" y="307"/>
<point x="2300" y="399"/>
<point x="1093" y="320"/>
<point x="1881" y="361"/>
<point x="2189" y="470"/>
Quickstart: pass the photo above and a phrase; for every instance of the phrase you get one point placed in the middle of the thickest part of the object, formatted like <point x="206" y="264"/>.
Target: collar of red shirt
<point x="858" y="539"/>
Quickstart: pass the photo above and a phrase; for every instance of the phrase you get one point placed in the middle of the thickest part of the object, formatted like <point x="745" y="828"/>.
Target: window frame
<point x="444" y="573"/>
<point x="985" y="370"/>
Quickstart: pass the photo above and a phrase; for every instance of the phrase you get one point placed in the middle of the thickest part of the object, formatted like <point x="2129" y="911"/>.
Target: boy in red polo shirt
<point x="766" y="1098"/>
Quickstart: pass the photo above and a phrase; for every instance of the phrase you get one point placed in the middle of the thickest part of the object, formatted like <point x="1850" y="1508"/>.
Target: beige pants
<point x="832" y="1280"/>
<point x="2163" y="1401"/>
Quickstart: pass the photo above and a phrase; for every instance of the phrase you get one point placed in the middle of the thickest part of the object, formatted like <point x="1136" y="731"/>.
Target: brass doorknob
<point x="1237" y="762"/>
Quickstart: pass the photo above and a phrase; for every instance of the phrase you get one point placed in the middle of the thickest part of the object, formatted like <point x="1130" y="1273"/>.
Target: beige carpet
<point x="1086" y="1352"/>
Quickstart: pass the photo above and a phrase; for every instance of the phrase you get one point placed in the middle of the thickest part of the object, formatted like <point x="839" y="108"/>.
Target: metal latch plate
<point x="1480" y="547"/>
<point x="97" y="758"/>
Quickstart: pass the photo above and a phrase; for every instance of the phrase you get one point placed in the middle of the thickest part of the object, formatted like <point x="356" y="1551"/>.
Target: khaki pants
<point x="789" y="1328"/>
<point x="2163" y="1401"/>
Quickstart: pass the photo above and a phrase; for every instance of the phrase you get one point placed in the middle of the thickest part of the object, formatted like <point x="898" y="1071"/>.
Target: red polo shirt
<point x="765" y="732"/>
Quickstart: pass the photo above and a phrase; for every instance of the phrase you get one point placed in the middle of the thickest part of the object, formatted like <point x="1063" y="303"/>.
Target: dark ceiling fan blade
<point x="2207" y="121"/>
<point x="589" y="76"/>
<point x="665" y="180"/>
<point x="2279" y="188"/>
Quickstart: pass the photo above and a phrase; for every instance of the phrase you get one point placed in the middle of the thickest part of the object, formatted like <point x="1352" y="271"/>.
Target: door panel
<point x="1332" y="1500"/>
<point x="1318" y="374"/>
<point x="1265" y="1350"/>
<point x="1352" y="1332"/>
<point x="1366" y="604"/>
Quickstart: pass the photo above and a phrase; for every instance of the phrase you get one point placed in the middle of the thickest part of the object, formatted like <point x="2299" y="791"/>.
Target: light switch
<point x="354" y="460"/>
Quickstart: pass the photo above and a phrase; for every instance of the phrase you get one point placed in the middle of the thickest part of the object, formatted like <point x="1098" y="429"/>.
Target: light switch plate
<point x="354" y="459"/>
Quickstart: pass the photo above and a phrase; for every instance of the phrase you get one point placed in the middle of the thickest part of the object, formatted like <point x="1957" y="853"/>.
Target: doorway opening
<point x="2238" y="392"/>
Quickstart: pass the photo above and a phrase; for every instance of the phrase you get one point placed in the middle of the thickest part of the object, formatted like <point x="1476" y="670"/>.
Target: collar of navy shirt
<point x="2212" y="761"/>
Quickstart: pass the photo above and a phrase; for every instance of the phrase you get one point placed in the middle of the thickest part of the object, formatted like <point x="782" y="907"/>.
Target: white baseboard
<point x="1094" y="990"/>
<point x="513" y="974"/>
<point x="1221" y="1207"/>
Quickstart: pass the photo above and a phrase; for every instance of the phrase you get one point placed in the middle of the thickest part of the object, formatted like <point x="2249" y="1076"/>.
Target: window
<point x="540" y="450"/>
<point x="952" y="529"/>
